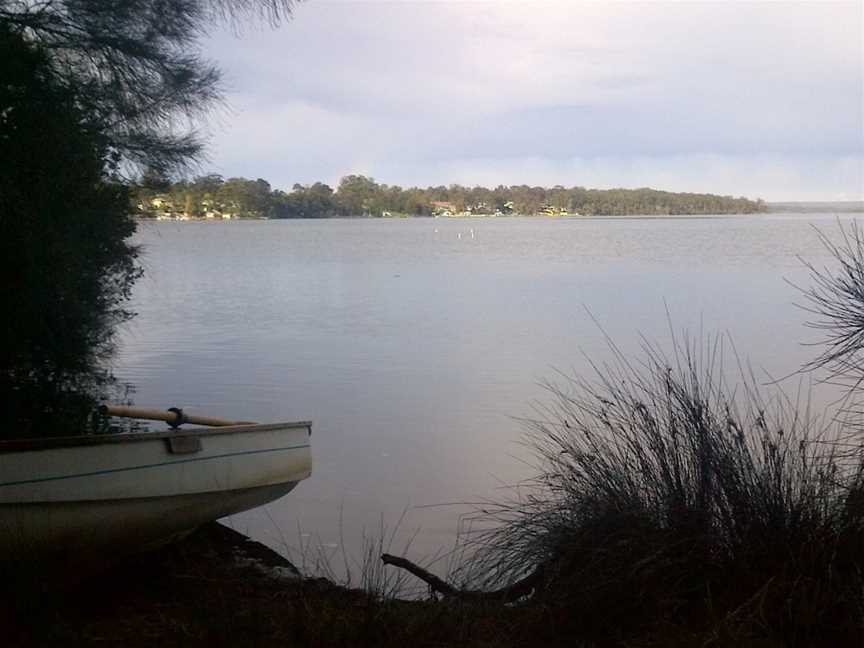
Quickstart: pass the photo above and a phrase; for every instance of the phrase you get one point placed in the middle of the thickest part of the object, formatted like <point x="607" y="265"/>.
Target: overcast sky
<point x="764" y="99"/>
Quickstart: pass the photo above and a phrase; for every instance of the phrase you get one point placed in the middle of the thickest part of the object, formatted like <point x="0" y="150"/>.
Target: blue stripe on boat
<point x="145" y="466"/>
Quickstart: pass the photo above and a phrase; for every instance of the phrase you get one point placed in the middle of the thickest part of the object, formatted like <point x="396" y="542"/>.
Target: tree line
<point x="211" y="196"/>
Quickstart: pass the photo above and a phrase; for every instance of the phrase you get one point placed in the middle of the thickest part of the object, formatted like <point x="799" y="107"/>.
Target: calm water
<point x="413" y="344"/>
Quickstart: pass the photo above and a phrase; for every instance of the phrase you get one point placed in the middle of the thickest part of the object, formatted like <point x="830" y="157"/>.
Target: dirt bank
<point x="218" y="588"/>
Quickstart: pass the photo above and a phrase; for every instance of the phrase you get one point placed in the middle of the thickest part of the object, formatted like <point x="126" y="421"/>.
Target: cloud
<point x="408" y="91"/>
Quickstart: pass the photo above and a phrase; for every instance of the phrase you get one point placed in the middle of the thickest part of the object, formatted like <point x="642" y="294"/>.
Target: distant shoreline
<point x="815" y="207"/>
<point x="540" y="217"/>
<point x="214" y="197"/>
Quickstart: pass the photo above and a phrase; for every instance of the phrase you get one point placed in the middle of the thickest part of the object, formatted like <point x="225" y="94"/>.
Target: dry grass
<point x="671" y="505"/>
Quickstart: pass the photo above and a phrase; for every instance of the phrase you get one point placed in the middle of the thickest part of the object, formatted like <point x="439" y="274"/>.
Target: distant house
<point x="551" y="210"/>
<point x="442" y="208"/>
<point x="162" y="207"/>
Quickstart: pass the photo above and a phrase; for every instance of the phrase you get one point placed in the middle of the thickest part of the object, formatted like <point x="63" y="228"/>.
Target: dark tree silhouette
<point x="89" y="89"/>
<point x="66" y="265"/>
<point x="133" y="66"/>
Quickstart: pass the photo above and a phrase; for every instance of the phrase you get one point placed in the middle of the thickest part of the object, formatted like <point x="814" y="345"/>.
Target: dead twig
<point x="513" y="592"/>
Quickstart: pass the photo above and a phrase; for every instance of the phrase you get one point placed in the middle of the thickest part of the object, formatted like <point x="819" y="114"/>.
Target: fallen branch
<point x="506" y="594"/>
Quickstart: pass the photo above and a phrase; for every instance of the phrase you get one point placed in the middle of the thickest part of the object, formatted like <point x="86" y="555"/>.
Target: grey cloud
<point x="399" y="90"/>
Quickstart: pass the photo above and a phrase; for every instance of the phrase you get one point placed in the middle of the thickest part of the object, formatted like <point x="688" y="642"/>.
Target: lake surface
<point x="414" y="345"/>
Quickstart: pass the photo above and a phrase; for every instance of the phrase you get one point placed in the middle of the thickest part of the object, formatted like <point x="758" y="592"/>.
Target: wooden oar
<point x="174" y="416"/>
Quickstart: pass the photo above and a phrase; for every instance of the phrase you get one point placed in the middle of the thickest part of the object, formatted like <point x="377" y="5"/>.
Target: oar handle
<point x="174" y="416"/>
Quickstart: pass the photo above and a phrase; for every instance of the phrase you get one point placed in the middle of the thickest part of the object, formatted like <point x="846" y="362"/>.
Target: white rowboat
<point x="75" y="497"/>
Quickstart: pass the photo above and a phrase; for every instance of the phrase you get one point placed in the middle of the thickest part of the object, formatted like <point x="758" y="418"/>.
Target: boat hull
<point x="73" y="498"/>
<point x="85" y="531"/>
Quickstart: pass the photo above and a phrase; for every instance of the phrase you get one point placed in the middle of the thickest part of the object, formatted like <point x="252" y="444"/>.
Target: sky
<point x="761" y="99"/>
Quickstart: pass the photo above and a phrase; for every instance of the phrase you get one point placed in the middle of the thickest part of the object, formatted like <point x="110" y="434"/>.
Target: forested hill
<point x="211" y="196"/>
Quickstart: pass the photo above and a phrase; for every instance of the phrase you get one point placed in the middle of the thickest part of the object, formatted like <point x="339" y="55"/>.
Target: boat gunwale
<point x="50" y="443"/>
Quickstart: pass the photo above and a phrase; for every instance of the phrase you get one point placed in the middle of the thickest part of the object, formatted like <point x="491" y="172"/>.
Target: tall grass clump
<point x="672" y="500"/>
<point x="835" y="298"/>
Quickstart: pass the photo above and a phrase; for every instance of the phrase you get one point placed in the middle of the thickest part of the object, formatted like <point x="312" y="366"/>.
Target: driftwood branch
<point x="512" y="592"/>
<point x="430" y="579"/>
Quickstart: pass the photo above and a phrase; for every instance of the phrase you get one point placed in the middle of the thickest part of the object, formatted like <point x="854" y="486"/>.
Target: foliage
<point x="88" y="89"/>
<point x="358" y="195"/>
<point x="315" y="201"/>
<point x="66" y="262"/>
<point x="133" y="66"/>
